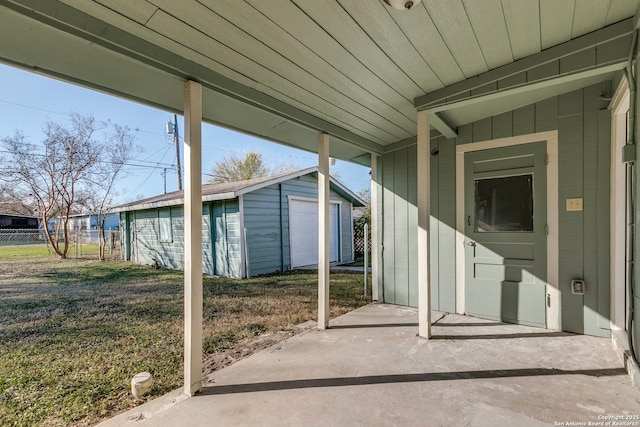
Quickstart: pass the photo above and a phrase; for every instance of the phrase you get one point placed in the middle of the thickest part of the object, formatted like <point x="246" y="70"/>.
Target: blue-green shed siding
<point x="266" y="218"/>
<point x="226" y="238"/>
<point x="147" y="246"/>
<point x="583" y="125"/>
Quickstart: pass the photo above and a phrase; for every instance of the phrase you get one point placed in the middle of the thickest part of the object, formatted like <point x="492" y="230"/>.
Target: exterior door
<point x="505" y="234"/>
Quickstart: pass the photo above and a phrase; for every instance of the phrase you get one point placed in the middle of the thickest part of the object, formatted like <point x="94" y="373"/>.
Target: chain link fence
<point x="10" y="237"/>
<point x="82" y="243"/>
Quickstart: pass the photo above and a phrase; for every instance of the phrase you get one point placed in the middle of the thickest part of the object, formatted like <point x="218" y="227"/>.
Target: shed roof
<point x="231" y="190"/>
<point x="19" y="215"/>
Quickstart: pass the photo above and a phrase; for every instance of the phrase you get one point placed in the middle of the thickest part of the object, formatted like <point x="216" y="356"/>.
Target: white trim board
<point x="551" y="138"/>
<point x="243" y="239"/>
<point x="619" y="108"/>
<point x="353" y="243"/>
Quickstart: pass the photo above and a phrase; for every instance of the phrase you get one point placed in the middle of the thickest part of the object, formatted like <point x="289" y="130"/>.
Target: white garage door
<point x="303" y="232"/>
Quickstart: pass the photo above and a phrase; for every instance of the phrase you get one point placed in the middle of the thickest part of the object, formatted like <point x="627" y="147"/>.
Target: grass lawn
<point x="73" y="332"/>
<point x="42" y="250"/>
<point x="25" y="251"/>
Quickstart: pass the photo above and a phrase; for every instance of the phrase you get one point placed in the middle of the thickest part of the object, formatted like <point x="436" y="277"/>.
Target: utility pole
<point x="176" y="140"/>
<point x="164" y="177"/>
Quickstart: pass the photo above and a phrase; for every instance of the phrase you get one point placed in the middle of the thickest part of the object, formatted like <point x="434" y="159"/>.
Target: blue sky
<point x="28" y="101"/>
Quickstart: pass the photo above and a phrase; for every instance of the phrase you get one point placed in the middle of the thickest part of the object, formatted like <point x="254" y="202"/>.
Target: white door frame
<point x="619" y="108"/>
<point x="553" y="294"/>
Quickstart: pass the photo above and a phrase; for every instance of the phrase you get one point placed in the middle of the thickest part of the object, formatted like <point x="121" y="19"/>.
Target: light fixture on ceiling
<point x="402" y="4"/>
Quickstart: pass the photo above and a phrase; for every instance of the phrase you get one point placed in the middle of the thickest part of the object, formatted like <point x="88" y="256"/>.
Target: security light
<point x="402" y="4"/>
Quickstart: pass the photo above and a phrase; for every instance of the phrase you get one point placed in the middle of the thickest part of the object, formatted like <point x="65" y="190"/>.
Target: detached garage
<point x="248" y="227"/>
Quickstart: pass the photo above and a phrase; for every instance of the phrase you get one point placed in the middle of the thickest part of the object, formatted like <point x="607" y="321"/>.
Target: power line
<point x="153" y="164"/>
<point x="147" y="178"/>
<point x="61" y="113"/>
<point x="32" y="107"/>
<point x="108" y="123"/>
<point x="146" y="159"/>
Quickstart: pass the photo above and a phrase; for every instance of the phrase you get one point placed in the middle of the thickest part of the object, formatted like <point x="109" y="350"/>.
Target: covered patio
<point x="370" y="368"/>
<point x="445" y="101"/>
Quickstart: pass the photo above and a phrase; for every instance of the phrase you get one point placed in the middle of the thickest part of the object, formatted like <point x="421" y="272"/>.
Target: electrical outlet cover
<point x="574" y="204"/>
<point x="577" y="287"/>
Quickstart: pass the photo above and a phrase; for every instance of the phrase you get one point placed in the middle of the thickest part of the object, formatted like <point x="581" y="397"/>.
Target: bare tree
<point x="64" y="167"/>
<point x="15" y="200"/>
<point x="104" y="176"/>
<point x="249" y="166"/>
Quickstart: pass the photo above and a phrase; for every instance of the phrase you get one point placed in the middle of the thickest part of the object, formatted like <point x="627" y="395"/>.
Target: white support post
<point x="192" y="238"/>
<point x="323" y="231"/>
<point x="424" y="208"/>
<point x="366" y="258"/>
<point x="373" y="206"/>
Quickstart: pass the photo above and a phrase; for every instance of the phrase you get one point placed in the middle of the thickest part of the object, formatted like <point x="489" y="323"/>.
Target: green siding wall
<point x="266" y="218"/>
<point x="225" y="260"/>
<point x="389" y="239"/>
<point x="265" y="236"/>
<point x="399" y="222"/>
<point x="226" y="238"/>
<point x="583" y="126"/>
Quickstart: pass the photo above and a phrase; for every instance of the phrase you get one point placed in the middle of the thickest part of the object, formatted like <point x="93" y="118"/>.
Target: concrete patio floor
<point x="370" y="369"/>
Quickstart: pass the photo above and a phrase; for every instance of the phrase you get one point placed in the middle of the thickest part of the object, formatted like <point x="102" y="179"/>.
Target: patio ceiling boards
<point x="287" y="70"/>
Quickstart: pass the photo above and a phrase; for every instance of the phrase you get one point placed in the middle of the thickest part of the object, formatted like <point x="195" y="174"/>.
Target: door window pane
<point x="504" y="204"/>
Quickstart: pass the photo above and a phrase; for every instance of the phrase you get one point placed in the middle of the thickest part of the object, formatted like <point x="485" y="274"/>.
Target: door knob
<point x="471" y="243"/>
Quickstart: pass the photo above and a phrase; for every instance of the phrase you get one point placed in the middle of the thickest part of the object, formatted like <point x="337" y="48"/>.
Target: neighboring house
<point x="89" y="221"/>
<point x="250" y="227"/>
<point x="19" y="222"/>
<point x="19" y="229"/>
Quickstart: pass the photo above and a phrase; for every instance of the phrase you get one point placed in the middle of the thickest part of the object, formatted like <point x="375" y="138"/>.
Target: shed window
<point x="164" y="221"/>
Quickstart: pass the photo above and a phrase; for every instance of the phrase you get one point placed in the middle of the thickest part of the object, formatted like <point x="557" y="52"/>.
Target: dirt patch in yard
<point x="222" y="359"/>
